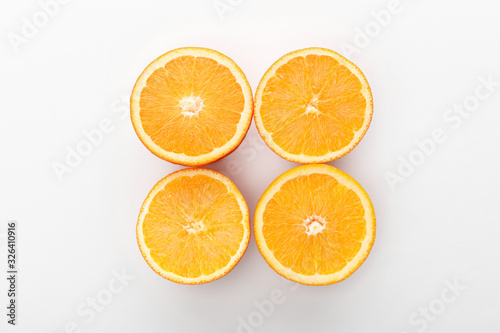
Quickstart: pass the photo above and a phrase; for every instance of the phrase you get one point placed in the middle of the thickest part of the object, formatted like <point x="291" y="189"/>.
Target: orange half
<point x="191" y="106"/>
<point x="314" y="225"/>
<point x="313" y="106"/>
<point x="194" y="226"/>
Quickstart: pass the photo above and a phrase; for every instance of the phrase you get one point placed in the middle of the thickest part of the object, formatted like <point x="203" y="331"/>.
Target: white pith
<point x="194" y="227"/>
<point x="314" y="224"/>
<point x="312" y="106"/>
<point x="191" y="105"/>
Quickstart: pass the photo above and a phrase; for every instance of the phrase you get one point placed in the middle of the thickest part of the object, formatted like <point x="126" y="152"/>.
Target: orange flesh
<point x="194" y="226"/>
<point x="313" y="105"/>
<point x="192" y="105"/>
<point x="287" y="218"/>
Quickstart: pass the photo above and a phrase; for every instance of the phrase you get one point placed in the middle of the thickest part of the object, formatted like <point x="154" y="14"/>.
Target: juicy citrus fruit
<point x="313" y="106"/>
<point x="191" y="106"/>
<point x="194" y="226"/>
<point x="314" y="225"/>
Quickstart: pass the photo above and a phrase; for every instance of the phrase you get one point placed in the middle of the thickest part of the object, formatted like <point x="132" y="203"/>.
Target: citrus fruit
<point x="313" y="106"/>
<point x="314" y="225"/>
<point x="191" y="106"/>
<point x="194" y="226"/>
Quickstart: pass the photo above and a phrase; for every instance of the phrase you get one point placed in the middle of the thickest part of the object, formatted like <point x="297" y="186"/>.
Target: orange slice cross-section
<point x="194" y="226"/>
<point x="314" y="225"/>
<point x="313" y="106"/>
<point x="191" y="106"/>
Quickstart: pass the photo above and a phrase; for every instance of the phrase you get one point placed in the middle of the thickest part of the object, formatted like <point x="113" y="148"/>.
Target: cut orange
<point x="313" y="106"/>
<point x="194" y="226"/>
<point x="314" y="225"/>
<point x="191" y="106"/>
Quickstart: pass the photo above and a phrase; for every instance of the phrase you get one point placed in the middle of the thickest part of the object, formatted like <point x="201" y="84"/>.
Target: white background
<point x="441" y="224"/>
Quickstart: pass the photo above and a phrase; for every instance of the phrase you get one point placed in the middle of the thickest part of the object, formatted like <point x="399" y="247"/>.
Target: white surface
<point x="441" y="224"/>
